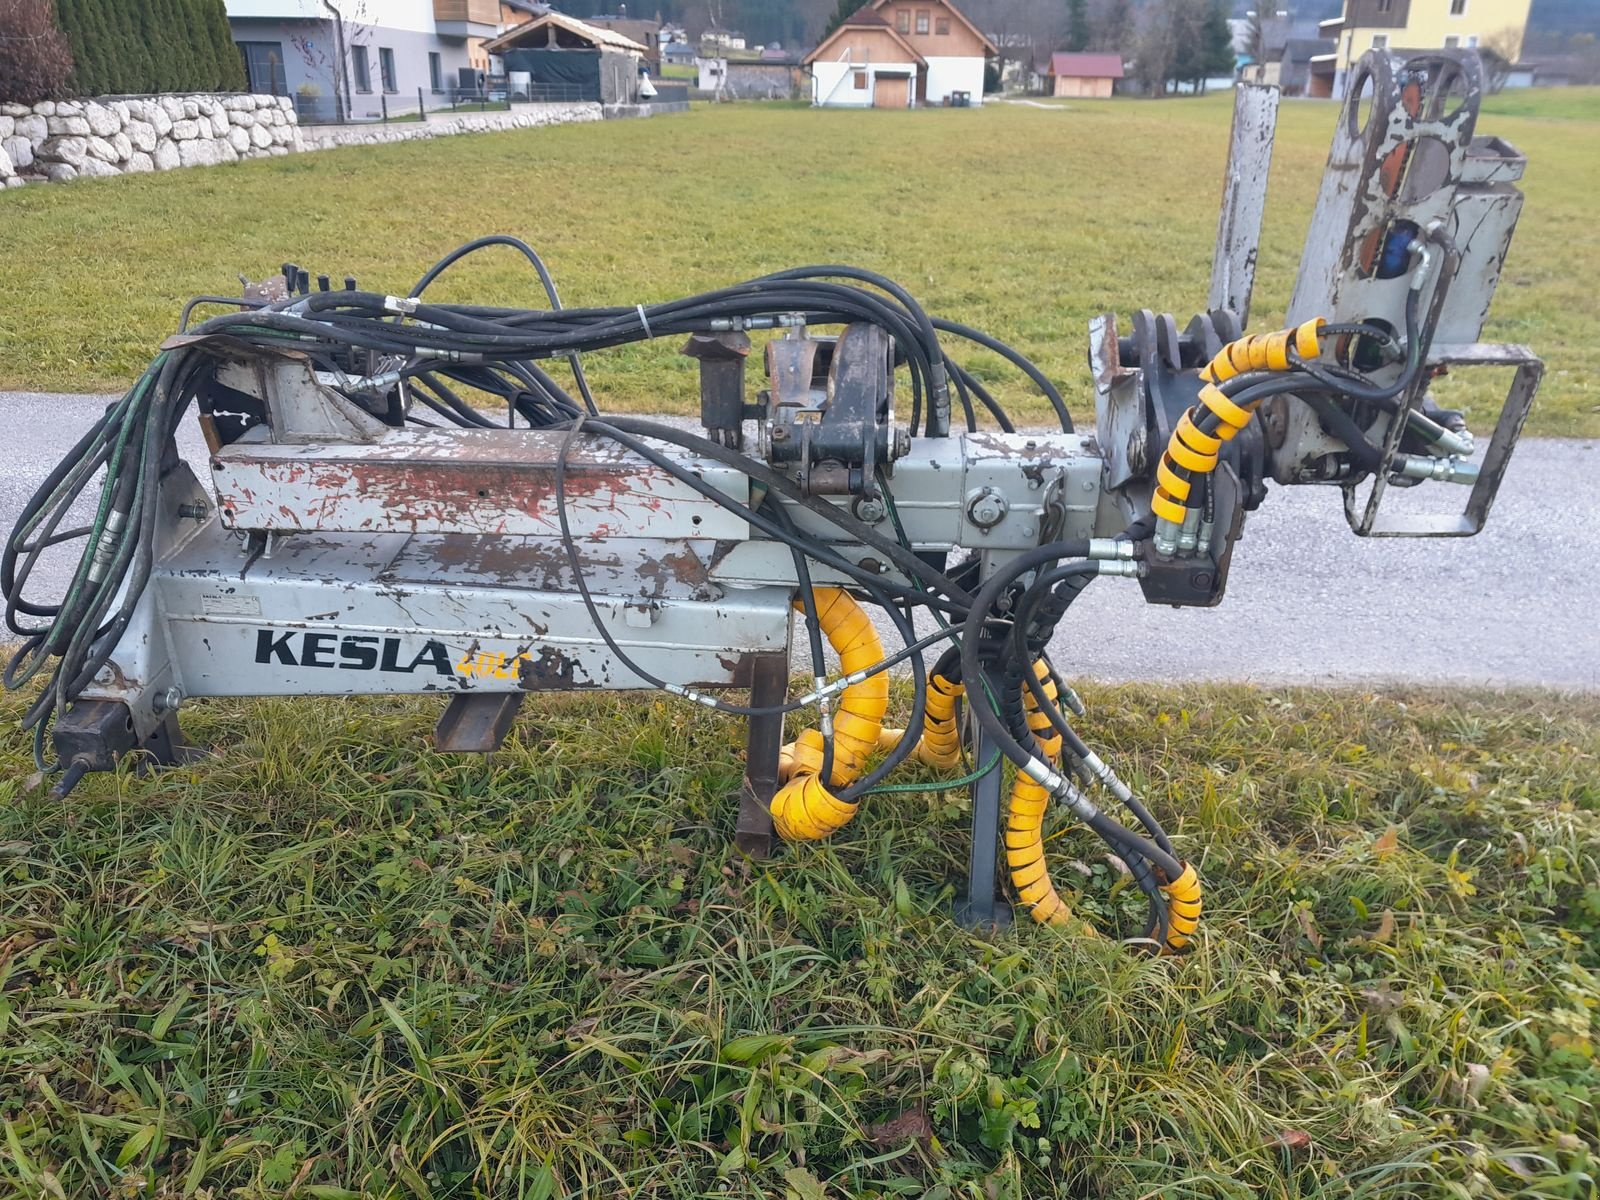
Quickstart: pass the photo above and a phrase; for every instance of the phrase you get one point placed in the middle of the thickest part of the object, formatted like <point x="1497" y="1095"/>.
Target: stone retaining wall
<point x="63" y="139"/>
<point x="443" y="124"/>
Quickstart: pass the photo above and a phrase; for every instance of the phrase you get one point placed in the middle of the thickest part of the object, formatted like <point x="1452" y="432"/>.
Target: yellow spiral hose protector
<point x="1025" y="819"/>
<point x="940" y="743"/>
<point x="1183" y="908"/>
<point x="804" y="809"/>
<point x="1196" y="452"/>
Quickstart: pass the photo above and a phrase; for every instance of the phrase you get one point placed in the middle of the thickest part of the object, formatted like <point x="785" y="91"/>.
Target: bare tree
<point x="35" y="61"/>
<point x="1496" y="52"/>
<point x="1155" y="49"/>
<point x="1024" y="30"/>
<point x="1112" y="26"/>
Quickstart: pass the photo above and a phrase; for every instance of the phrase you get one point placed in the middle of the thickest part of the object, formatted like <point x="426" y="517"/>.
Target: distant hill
<point x="1564" y="17"/>
<point x="1559" y="17"/>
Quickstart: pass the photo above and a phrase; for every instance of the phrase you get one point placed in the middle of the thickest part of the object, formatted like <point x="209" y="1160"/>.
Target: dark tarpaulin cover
<point x="579" y="67"/>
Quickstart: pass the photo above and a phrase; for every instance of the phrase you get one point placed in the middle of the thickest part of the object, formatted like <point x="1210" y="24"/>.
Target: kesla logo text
<point x="350" y="652"/>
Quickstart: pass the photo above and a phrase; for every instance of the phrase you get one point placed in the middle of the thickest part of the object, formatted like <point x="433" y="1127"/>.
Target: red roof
<point x="1086" y="66"/>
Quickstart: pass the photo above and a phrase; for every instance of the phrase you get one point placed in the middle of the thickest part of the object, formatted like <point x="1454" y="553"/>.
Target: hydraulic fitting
<point x="1456" y="445"/>
<point x="1189" y="532"/>
<point x="1110" y="548"/>
<point x="1165" y="538"/>
<point x="1445" y="470"/>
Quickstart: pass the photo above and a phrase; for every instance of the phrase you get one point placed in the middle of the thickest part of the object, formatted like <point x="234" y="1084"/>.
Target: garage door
<point x="891" y="91"/>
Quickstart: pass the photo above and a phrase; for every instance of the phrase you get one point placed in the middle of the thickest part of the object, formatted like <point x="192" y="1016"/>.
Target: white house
<point x="900" y="54"/>
<point x="710" y="73"/>
<point x="346" y="56"/>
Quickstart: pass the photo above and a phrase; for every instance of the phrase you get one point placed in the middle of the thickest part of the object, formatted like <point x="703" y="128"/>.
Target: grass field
<point x="327" y="963"/>
<point x="330" y="963"/>
<point x="1023" y="220"/>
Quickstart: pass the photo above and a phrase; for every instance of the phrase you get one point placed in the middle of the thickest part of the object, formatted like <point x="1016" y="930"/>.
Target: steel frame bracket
<point x="1367" y="520"/>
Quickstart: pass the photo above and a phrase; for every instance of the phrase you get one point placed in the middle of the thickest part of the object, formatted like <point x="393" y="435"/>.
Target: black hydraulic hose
<point x="468" y="415"/>
<point x="569" y="545"/>
<point x="919" y="708"/>
<point x="938" y="422"/>
<point x="1040" y="380"/>
<point x="545" y="279"/>
<point x="1354" y="390"/>
<point x="1343" y="426"/>
<point x="808" y="603"/>
<point x="902" y="557"/>
<point x="1080" y="749"/>
<point x="817" y="550"/>
<point x="965" y="379"/>
<point x="990" y="719"/>
<point x="954" y="374"/>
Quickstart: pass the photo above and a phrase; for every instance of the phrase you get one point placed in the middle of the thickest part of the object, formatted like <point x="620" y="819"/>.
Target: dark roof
<point x="1086" y="66"/>
<point x="1303" y="50"/>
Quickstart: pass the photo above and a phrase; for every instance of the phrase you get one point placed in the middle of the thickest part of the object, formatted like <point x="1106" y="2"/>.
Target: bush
<point x="35" y="60"/>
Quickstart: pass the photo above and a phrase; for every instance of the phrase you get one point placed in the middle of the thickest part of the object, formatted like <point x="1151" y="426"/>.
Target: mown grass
<point x="1023" y="220"/>
<point x="1555" y="104"/>
<point x="330" y="963"/>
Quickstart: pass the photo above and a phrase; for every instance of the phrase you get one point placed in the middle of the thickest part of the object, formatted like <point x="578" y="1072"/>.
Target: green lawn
<point x="330" y="963"/>
<point x="1555" y="104"/>
<point x="1023" y="220"/>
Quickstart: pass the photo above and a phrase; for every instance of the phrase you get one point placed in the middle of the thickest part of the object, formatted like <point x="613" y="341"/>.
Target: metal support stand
<point x="769" y="684"/>
<point x="983" y="908"/>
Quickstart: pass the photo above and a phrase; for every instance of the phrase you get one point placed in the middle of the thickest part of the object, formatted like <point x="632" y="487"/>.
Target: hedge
<point x="126" y="47"/>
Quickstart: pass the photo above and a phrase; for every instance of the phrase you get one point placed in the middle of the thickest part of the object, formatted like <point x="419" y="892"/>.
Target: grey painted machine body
<point x="329" y="553"/>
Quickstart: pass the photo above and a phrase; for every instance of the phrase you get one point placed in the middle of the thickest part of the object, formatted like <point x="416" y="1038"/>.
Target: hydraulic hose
<point x="1177" y="878"/>
<point x="1025" y="818"/>
<point x="804" y="808"/>
<point x="1216" y="418"/>
<point x="940" y="742"/>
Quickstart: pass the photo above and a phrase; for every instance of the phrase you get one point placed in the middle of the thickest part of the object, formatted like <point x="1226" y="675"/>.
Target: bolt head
<point x="870" y="510"/>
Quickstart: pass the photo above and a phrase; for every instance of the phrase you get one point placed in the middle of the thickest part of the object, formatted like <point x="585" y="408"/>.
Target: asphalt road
<point x="1308" y="601"/>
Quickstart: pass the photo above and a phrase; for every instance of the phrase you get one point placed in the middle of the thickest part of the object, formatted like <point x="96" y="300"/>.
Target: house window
<point x="902" y="20"/>
<point x="263" y="67"/>
<point x="1458" y="8"/>
<point x="1385" y="5"/>
<point x="386" y="66"/>
<point x="942" y="26"/>
<point x="922" y="20"/>
<point x="1451" y="42"/>
<point x="1380" y="41"/>
<point x="361" y="68"/>
<point x="861" y="81"/>
<point x="435" y="71"/>
<point x="1473" y="41"/>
